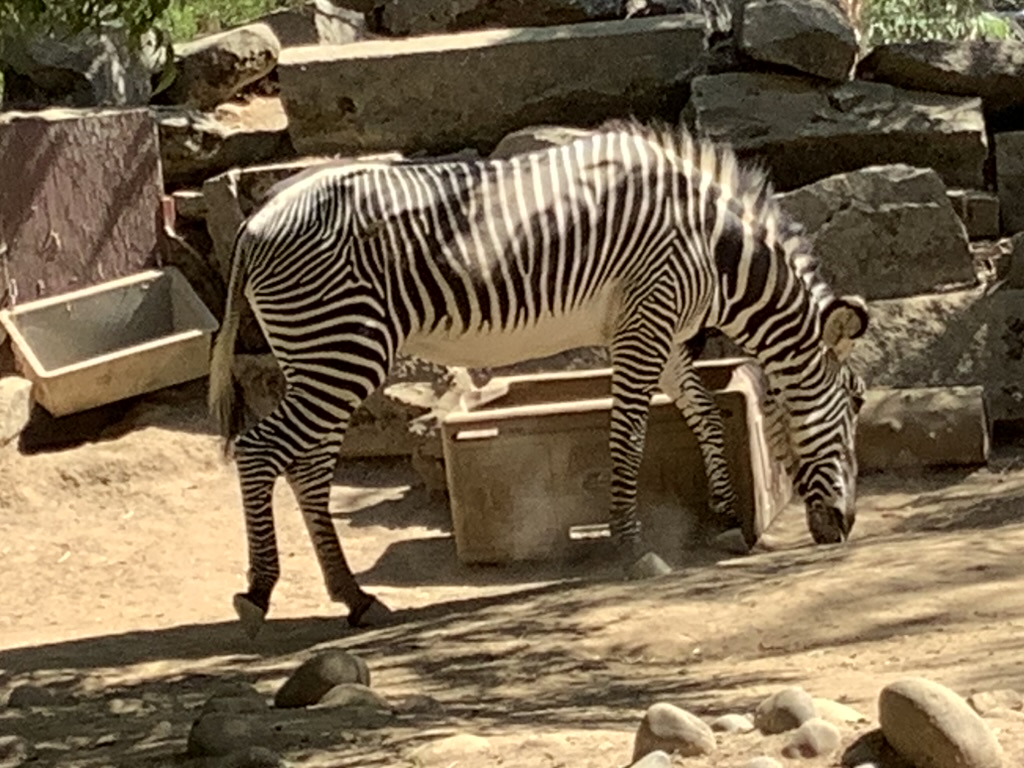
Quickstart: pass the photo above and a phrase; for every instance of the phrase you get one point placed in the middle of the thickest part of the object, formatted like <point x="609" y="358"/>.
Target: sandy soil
<point x="120" y="557"/>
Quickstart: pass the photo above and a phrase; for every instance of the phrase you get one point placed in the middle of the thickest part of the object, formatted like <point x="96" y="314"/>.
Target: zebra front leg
<point x="632" y="382"/>
<point x="682" y="382"/>
<point x="310" y="479"/>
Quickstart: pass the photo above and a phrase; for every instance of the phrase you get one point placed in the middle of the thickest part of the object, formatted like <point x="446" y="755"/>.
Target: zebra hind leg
<point x="310" y="480"/>
<point x="682" y="382"/>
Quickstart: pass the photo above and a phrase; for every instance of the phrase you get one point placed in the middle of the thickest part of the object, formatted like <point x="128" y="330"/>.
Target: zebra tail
<point x="223" y="401"/>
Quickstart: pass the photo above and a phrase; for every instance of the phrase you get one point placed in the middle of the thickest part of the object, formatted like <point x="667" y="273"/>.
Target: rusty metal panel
<point x="80" y="194"/>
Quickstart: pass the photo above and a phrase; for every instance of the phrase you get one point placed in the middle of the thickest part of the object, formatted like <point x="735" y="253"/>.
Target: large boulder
<point x="1010" y="179"/>
<point x="958" y="338"/>
<point x="195" y="145"/>
<point x="402" y="17"/>
<point x="448" y="92"/>
<point x="317" y="23"/>
<point x="884" y="231"/>
<point x="89" y="69"/>
<point x="991" y="69"/>
<point x="811" y="36"/>
<point x="215" y="68"/>
<point x="806" y="129"/>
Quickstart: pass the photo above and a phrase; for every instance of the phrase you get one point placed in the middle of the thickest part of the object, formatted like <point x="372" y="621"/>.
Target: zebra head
<point x="826" y="427"/>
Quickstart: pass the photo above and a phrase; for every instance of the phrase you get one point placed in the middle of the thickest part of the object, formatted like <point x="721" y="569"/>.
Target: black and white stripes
<point x="627" y="237"/>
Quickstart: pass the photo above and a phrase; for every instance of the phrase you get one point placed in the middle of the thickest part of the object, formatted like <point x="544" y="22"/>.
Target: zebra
<point x="634" y="237"/>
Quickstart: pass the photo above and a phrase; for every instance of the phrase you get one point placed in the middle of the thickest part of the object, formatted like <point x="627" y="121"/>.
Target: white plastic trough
<point x="119" y="339"/>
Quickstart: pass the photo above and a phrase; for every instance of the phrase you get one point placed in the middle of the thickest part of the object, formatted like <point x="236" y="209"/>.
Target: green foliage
<point x="69" y="17"/>
<point x="184" y="19"/>
<point x="902" y="21"/>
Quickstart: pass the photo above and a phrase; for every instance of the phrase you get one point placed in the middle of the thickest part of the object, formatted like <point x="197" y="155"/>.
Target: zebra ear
<point x="843" y="320"/>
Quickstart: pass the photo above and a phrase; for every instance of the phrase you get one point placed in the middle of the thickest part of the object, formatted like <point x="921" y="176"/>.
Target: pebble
<point x="836" y="713"/>
<point x="460" y="749"/>
<point x="221" y="733"/>
<point x="26" y="696"/>
<point x="762" y="762"/>
<point x="814" y="738"/>
<point x="732" y="724"/>
<point x="251" y="757"/>
<point x="669" y="728"/>
<point x="316" y="676"/>
<point x="359" y="706"/>
<point x="986" y="701"/>
<point x="15" y="751"/>
<point x="655" y="759"/>
<point x="160" y="731"/>
<point x="932" y="726"/>
<point x="784" y="710"/>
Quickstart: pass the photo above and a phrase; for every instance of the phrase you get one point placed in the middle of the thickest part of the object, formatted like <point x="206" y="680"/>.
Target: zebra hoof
<point x="648" y="566"/>
<point x="373" y="614"/>
<point x="250" y="614"/>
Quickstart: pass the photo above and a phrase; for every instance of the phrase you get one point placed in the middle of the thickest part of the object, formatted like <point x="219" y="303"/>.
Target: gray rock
<point x="400" y="17"/>
<point x="221" y="733"/>
<point x="784" y="710"/>
<point x="984" y="702"/>
<point x="15" y="751"/>
<point x="15" y="407"/>
<point x="991" y="69"/>
<point x="27" y="696"/>
<point x="732" y="723"/>
<point x="535" y="137"/>
<point x="1010" y="180"/>
<point x="806" y="129"/>
<point x="931" y="726"/>
<point x="419" y="704"/>
<point x="884" y="231"/>
<point x="437" y="93"/>
<point x="211" y="70"/>
<point x="978" y="210"/>
<point x="960" y="338"/>
<point x="655" y="759"/>
<point x="195" y="146"/>
<point x="357" y="706"/>
<point x="316" y="676"/>
<point x="236" y="705"/>
<point x="129" y="706"/>
<point x="189" y="205"/>
<point x="668" y="728"/>
<point x="316" y="23"/>
<point x="871" y="750"/>
<point x="811" y="36"/>
<point x="814" y="738"/>
<point x="250" y="757"/>
<point x="93" y="68"/>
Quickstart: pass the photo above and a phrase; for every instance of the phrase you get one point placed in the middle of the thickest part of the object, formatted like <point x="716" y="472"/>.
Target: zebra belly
<point x="588" y="326"/>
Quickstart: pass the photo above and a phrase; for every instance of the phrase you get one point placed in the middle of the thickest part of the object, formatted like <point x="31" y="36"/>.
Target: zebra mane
<point x="745" y="181"/>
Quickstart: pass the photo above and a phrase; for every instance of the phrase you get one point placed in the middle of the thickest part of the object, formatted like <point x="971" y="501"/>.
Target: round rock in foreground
<point x="221" y="733"/>
<point x="316" y="676"/>
<point x="784" y="710"/>
<point x="931" y="726"/>
<point x="815" y="738"/>
<point x="670" y="729"/>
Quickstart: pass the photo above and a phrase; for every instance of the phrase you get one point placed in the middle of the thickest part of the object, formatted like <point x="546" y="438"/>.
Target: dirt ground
<point x="120" y="557"/>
